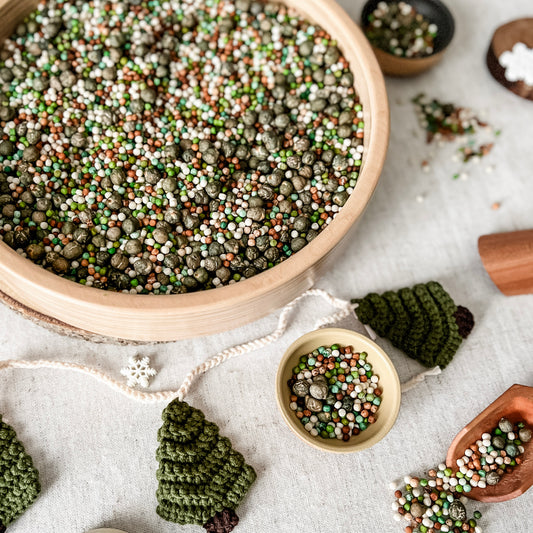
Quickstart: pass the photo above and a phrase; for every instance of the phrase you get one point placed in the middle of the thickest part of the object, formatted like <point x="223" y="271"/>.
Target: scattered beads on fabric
<point x="19" y="479"/>
<point x="397" y="28"/>
<point x="172" y="146"/>
<point x="202" y="479"/>
<point x="448" y="122"/>
<point x="435" y="503"/>
<point x="423" y="321"/>
<point x="334" y="392"/>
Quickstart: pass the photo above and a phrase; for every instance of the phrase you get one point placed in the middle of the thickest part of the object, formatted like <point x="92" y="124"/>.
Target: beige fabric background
<point x="95" y="449"/>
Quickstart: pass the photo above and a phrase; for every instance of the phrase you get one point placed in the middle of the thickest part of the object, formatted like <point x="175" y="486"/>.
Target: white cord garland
<point x="345" y="309"/>
<point x="414" y="381"/>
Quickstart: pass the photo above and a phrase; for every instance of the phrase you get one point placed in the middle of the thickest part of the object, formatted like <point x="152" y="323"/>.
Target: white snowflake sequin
<point x="138" y="372"/>
<point x="518" y="63"/>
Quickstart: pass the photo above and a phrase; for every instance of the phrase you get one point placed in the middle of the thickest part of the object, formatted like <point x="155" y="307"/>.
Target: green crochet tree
<point x="423" y="321"/>
<point x="19" y="480"/>
<point x="202" y="480"/>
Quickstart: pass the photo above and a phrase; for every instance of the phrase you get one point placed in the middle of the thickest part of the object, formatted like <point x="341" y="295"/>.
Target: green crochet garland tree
<point x="202" y="480"/>
<point x="423" y="321"/>
<point x="19" y="480"/>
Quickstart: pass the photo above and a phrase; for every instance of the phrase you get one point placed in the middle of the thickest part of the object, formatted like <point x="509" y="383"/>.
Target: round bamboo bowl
<point x="389" y="383"/>
<point x="150" y="318"/>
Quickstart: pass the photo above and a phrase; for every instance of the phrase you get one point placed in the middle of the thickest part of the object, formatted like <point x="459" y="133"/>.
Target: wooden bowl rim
<point x="375" y="352"/>
<point x="35" y="279"/>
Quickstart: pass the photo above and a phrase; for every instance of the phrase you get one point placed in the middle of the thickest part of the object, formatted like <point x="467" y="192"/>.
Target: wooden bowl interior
<point x="172" y="317"/>
<point x="382" y="366"/>
<point x="516" y="404"/>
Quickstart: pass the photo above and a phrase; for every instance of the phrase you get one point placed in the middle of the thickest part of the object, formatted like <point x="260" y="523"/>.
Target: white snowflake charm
<point x="138" y="372"/>
<point x="518" y="63"/>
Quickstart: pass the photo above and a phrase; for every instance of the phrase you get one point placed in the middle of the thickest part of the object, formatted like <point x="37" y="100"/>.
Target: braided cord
<point x="345" y="308"/>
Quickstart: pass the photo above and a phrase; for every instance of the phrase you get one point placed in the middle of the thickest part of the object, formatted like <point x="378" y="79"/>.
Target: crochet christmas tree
<point x="423" y="321"/>
<point x="19" y="480"/>
<point x="202" y="479"/>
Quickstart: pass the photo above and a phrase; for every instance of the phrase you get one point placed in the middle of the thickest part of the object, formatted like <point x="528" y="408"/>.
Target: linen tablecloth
<point x="96" y="449"/>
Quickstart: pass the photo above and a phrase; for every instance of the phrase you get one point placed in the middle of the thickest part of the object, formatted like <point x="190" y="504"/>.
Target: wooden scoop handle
<point x="508" y="258"/>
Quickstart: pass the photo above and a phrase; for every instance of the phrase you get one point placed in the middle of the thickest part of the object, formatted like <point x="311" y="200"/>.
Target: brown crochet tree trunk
<point x="223" y="522"/>
<point x="3" y="528"/>
<point x="465" y="321"/>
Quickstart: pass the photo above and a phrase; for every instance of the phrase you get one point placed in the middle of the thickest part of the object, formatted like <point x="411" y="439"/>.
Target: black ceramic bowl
<point x="434" y="11"/>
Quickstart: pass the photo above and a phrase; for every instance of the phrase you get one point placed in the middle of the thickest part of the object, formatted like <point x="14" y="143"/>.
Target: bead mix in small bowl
<point x="335" y="393"/>
<point x="399" y="29"/>
<point x="330" y="385"/>
<point x="408" y="37"/>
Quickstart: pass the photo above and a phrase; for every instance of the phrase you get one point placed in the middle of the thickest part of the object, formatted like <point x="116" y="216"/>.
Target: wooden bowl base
<point x="56" y="326"/>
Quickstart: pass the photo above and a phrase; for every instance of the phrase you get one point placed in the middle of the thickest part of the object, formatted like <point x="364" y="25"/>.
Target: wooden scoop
<point x="508" y="258"/>
<point x="516" y="404"/>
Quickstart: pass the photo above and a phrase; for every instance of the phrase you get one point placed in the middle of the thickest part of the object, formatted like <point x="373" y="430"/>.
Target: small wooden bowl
<point x="504" y="38"/>
<point x="389" y="383"/>
<point x="150" y="318"/>
<point x="434" y="11"/>
<point x="516" y="404"/>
